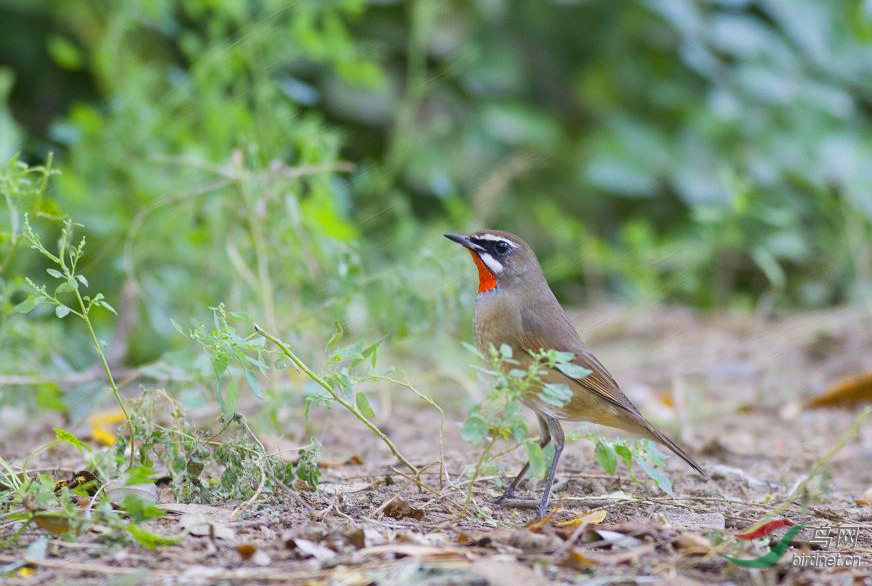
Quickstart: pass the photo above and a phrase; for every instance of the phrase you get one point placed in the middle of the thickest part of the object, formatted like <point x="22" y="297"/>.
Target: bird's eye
<point x="502" y="247"/>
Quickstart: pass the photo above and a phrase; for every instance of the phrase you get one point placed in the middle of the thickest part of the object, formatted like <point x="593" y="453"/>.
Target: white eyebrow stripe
<point x="496" y="238"/>
<point x="492" y="263"/>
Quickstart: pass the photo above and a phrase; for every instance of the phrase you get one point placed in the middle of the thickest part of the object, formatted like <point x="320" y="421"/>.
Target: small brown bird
<point x="515" y="306"/>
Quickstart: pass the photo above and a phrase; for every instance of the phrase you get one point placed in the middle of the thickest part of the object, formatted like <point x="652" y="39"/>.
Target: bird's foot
<point x="541" y="511"/>
<point x="509" y="494"/>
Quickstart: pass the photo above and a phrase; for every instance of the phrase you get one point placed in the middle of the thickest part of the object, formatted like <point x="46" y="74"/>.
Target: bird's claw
<point x="503" y="497"/>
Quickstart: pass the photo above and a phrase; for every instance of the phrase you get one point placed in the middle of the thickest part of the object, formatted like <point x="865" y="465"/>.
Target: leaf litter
<point x="373" y="525"/>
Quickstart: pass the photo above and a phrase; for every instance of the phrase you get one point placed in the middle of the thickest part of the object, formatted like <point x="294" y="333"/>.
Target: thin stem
<point x="13" y="215"/>
<point x="108" y="372"/>
<point x="261" y="254"/>
<point x="363" y="419"/>
<point x="475" y="472"/>
<point x="443" y="474"/>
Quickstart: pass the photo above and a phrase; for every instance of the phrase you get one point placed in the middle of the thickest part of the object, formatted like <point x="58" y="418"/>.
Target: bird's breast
<point x="497" y="320"/>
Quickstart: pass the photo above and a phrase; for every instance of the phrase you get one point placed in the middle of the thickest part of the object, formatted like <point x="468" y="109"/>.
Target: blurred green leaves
<point x="710" y="153"/>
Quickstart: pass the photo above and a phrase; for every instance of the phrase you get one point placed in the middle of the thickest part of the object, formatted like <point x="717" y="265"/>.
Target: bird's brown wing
<point x="563" y="337"/>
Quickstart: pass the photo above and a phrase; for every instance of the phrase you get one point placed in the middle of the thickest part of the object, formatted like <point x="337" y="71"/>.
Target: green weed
<point x="67" y="298"/>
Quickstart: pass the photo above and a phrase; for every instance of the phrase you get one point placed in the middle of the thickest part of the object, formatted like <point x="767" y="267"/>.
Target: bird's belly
<point x="584" y="405"/>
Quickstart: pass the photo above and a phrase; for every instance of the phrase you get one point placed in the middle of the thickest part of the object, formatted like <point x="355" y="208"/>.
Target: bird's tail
<point x="662" y="438"/>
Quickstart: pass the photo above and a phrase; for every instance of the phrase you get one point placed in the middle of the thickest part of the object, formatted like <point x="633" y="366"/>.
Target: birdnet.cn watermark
<point x="836" y="543"/>
<point x="845" y="538"/>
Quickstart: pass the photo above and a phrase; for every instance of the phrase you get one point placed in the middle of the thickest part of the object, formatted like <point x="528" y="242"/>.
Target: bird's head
<point x="503" y="260"/>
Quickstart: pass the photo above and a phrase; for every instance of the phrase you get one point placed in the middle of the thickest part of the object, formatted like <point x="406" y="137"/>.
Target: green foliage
<point x="500" y="414"/>
<point x="22" y="186"/>
<point x="221" y="141"/>
<point x="65" y="436"/>
<point x="67" y="259"/>
<point x="307" y="468"/>
<point x="51" y="504"/>
<point x="230" y="355"/>
<point x="643" y="452"/>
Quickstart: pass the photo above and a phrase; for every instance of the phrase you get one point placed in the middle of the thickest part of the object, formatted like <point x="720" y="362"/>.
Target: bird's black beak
<point x="461" y="240"/>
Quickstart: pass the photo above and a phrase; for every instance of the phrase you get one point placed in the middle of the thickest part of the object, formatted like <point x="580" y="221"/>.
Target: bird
<point x="516" y="307"/>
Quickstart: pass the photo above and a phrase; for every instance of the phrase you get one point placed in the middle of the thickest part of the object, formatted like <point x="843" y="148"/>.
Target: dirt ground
<point x="729" y="387"/>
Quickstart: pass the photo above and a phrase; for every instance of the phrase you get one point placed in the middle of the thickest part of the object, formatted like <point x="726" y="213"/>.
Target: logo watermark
<point x="845" y="537"/>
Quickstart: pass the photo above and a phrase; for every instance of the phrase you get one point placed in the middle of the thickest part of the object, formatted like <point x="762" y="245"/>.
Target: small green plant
<point x="643" y="452"/>
<point x="307" y="469"/>
<point x="68" y="507"/>
<point x="500" y="416"/>
<point x="232" y="357"/>
<point x="337" y="386"/>
<point x="67" y="299"/>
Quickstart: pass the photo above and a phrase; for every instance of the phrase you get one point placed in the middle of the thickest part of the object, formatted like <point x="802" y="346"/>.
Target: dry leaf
<point x="845" y="392"/>
<point x="80" y="479"/>
<point x="201" y="525"/>
<point x="475" y="540"/>
<point x="537" y="525"/>
<point x="589" y="518"/>
<point x="400" y="509"/>
<point x="54" y="523"/>
<point x="576" y="559"/>
<point x="419" y="552"/>
<point x="261" y="558"/>
<point x="246" y="550"/>
<point x="616" y="539"/>
<point x="100" y="423"/>
<point x="665" y="399"/>
<point x="311" y="549"/>
<point x="611" y="559"/>
<point x="692" y="544"/>
<point x="356" y="538"/>
<point x="506" y="572"/>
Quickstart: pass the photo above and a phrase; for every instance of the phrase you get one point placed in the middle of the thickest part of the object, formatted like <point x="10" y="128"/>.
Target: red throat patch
<point x="486" y="279"/>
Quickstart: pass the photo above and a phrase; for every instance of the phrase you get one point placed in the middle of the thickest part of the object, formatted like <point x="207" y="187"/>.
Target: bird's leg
<point x="544" y="440"/>
<point x="559" y="440"/>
